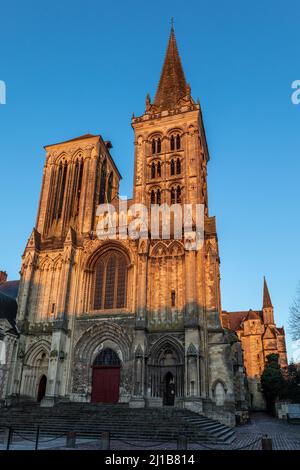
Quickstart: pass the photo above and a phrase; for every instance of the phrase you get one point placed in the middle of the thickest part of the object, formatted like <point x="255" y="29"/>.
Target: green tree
<point x="272" y="381"/>
<point x="292" y="388"/>
<point x="294" y="319"/>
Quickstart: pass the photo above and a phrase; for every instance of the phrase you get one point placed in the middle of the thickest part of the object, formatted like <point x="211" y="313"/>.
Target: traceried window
<point x="172" y="168"/>
<point x="158" y="197"/>
<point x="110" y="187"/>
<point x="158" y="169"/>
<point x="110" y="281"/>
<point x="152" y="196"/>
<point x="172" y="143"/>
<point x="107" y="357"/>
<point x="172" y="196"/>
<point x="155" y="197"/>
<point x="60" y="190"/>
<point x="176" y="195"/>
<point x="178" y="166"/>
<point x="153" y="170"/>
<point x="77" y="184"/>
<point x="103" y="182"/>
<point x="175" y="142"/>
<point x="173" y="298"/>
<point x="153" y="146"/>
<point x="156" y="145"/>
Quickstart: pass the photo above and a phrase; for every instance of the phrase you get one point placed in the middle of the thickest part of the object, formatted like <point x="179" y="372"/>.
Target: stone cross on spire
<point x="172" y="84"/>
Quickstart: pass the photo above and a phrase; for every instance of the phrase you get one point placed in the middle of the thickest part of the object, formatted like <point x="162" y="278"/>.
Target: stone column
<point x="26" y="284"/>
<point x="56" y="364"/>
<point x="89" y="187"/>
<point x="190" y="288"/>
<point x="142" y="290"/>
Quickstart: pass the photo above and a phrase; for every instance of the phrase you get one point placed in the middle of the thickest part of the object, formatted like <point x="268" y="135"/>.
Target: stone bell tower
<point x="179" y="294"/>
<point x="170" y="145"/>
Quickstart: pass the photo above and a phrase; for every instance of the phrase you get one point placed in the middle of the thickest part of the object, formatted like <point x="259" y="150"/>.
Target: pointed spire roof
<point x="172" y="84"/>
<point x="267" y="299"/>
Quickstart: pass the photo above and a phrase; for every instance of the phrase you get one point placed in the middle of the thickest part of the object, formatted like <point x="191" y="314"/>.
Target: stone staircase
<point x="89" y="420"/>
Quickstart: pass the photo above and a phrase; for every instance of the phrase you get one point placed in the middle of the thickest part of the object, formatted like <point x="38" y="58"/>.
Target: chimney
<point x="3" y="276"/>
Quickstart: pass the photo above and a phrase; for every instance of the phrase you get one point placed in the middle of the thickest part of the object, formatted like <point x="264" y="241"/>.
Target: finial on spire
<point x="172" y="23"/>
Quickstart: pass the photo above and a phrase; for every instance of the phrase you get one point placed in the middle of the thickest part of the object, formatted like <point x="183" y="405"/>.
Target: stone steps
<point x="89" y="420"/>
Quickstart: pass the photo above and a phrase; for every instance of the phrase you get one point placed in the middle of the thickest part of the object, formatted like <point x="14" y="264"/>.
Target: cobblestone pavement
<point x="248" y="437"/>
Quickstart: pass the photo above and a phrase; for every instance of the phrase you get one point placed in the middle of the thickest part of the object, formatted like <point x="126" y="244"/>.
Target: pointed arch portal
<point x="166" y="372"/>
<point x="106" y="377"/>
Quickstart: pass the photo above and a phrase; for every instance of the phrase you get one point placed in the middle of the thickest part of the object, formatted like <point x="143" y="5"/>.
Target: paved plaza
<point x="284" y="436"/>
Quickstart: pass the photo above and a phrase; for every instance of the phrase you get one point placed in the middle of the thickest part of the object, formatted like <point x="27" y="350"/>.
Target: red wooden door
<point x="106" y="384"/>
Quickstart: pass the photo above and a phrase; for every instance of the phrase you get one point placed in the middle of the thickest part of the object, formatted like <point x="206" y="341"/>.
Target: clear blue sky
<point x="73" y="67"/>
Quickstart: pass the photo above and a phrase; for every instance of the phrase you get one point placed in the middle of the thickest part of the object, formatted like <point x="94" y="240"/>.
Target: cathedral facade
<point x="136" y="321"/>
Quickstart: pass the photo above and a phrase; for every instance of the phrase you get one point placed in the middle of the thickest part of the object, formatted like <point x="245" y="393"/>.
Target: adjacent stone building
<point x="8" y="332"/>
<point x="259" y="337"/>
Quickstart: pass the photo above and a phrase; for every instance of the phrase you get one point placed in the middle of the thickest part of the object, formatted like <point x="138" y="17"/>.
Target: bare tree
<point x="294" y="319"/>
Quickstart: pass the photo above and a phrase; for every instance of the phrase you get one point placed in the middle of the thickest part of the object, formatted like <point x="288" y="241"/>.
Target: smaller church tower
<point x="268" y="310"/>
<point x="260" y="337"/>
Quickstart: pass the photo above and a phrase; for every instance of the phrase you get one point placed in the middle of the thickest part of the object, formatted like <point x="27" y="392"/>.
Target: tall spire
<point x="172" y="84"/>
<point x="267" y="299"/>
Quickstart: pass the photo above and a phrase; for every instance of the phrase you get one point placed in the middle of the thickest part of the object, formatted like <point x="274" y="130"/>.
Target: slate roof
<point x="81" y="137"/>
<point x="172" y="84"/>
<point x="8" y="303"/>
<point x="8" y="308"/>
<point x="10" y="288"/>
<point x="235" y="319"/>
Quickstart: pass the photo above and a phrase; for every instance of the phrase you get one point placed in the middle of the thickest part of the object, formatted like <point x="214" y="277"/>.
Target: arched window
<point x="107" y="357"/>
<point x="172" y="143"/>
<point x="110" y="187"/>
<point x="158" y="169"/>
<point x="77" y="184"/>
<point x="103" y="183"/>
<point x="60" y="190"/>
<point x="178" y="142"/>
<point x="153" y="146"/>
<point x="153" y="170"/>
<point x="58" y="186"/>
<point x="158" y="146"/>
<point x="172" y="168"/>
<point x="172" y="196"/>
<point x="158" y="197"/>
<point x="178" y="166"/>
<point x="178" y="198"/>
<point x="152" y="197"/>
<point x="110" y="281"/>
<point x="173" y="298"/>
